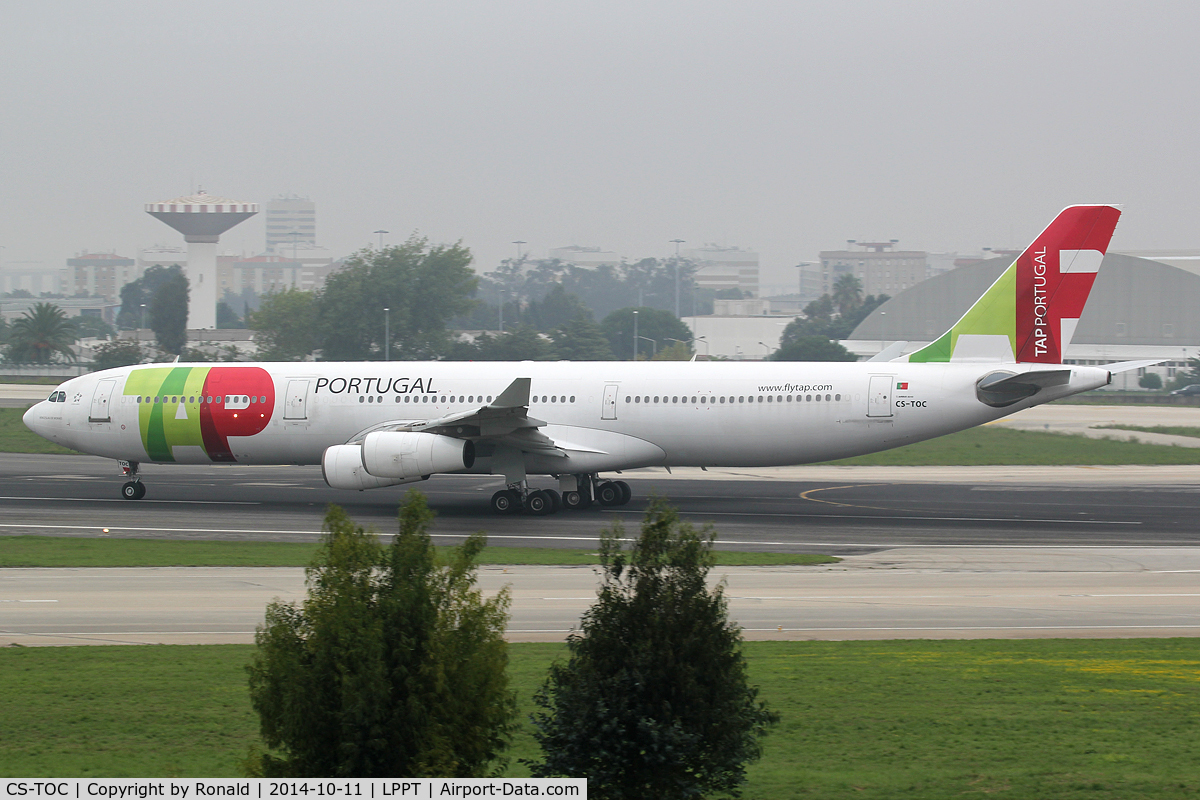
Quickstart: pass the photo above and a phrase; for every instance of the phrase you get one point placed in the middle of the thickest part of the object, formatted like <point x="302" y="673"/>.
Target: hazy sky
<point x="784" y="127"/>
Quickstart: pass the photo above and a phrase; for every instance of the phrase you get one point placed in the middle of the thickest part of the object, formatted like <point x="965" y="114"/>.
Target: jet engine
<point x="406" y="454"/>
<point x="342" y="467"/>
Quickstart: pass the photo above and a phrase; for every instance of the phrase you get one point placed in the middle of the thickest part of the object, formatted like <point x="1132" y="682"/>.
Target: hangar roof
<point x="1134" y="301"/>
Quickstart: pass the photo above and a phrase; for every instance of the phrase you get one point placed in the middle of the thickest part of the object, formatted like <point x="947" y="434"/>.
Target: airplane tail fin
<point x="1029" y="314"/>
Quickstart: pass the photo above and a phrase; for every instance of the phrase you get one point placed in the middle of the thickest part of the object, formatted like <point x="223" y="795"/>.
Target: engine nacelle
<point x="342" y="467"/>
<point x="406" y="454"/>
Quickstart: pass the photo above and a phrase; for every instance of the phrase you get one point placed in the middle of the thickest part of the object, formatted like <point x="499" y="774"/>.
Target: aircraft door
<point x="609" y="409"/>
<point x="296" y="402"/>
<point x="100" y="401"/>
<point x="879" y="398"/>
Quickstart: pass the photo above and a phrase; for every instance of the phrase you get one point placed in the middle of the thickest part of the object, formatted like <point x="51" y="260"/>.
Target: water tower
<point x="202" y="218"/>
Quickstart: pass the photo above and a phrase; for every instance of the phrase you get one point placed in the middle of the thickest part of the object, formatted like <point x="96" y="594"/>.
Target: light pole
<point x="635" y="336"/>
<point x="518" y="243"/>
<point x="800" y="280"/>
<point x="703" y="340"/>
<point x="882" y="330"/>
<point x="143" y="323"/>
<point x="677" y="242"/>
<point x="764" y="344"/>
<point x="503" y="295"/>
<point x="387" y="334"/>
<point x="653" y="342"/>
<point x="381" y="235"/>
<point x="678" y="341"/>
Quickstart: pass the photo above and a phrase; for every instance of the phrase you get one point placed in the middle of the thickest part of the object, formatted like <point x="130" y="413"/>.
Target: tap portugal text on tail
<point x="378" y="424"/>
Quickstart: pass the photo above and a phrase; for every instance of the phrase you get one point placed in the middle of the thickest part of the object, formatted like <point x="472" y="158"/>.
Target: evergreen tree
<point x="812" y="348"/>
<point x="40" y="335"/>
<point x="136" y="293"/>
<point x="285" y="325"/>
<point x="117" y="353"/>
<point x="393" y="666"/>
<point x="422" y="287"/>
<point x="653" y="701"/>
<point x="167" y="313"/>
<point x="581" y="340"/>
<point x="226" y="316"/>
<point x="652" y="323"/>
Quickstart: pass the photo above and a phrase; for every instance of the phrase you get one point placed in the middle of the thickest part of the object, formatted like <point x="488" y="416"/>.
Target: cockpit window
<point x="53" y="398"/>
<point x="57" y="397"/>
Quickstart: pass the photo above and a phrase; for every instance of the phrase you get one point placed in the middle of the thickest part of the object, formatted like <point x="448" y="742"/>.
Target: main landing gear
<point x="132" y="489"/>
<point x="588" y="489"/>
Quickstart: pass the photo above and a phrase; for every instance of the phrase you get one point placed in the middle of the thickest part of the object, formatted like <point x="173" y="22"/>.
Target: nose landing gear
<point x="132" y="489"/>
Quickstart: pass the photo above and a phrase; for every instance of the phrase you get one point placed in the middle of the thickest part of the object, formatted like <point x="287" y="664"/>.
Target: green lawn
<point x="925" y="719"/>
<point x="991" y="445"/>
<point x="1170" y="430"/>
<point x="62" y="551"/>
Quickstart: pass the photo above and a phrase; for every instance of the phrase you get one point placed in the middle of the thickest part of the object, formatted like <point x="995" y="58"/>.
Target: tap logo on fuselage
<point x="200" y="407"/>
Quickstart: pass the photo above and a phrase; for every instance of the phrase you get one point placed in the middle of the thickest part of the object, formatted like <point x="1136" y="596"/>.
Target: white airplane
<point x="375" y="424"/>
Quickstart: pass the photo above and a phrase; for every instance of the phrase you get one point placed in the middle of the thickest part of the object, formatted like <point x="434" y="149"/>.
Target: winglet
<point x="515" y="396"/>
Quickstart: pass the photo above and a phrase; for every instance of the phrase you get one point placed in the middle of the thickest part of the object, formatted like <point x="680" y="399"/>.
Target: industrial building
<point x="720" y="268"/>
<point x="101" y="274"/>
<point x="879" y="267"/>
<point x="1138" y="309"/>
<point x="290" y="220"/>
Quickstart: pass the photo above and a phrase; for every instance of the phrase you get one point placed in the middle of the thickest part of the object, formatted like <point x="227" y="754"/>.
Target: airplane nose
<point x="30" y="416"/>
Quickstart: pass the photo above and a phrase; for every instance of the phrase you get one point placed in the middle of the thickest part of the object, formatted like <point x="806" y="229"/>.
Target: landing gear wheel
<point x="506" y="501"/>
<point x="609" y="494"/>
<point x="133" y="490"/>
<point x="575" y="501"/>
<point x="556" y="498"/>
<point x="539" y="503"/>
<point x="626" y="492"/>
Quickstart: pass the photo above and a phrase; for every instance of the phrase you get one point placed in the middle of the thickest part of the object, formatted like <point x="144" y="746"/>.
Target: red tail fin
<point x="1054" y="277"/>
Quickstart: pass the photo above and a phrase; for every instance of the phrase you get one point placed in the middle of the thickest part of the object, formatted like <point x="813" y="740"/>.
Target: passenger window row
<point x="229" y="398"/>
<point x="706" y="399"/>
<point x="471" y="398"/>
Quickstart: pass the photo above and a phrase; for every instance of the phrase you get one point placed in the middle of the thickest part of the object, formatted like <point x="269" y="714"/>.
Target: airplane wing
<point x="505" y="420"/>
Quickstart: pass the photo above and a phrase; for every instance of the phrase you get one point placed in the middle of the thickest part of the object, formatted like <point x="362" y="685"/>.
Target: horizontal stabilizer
<point x="1125" y="366"/>
<point x="1002" y="388"/>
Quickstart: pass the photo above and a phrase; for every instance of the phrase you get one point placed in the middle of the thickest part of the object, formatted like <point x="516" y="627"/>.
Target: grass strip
<point x="1096" y="718"/>
<point x="1169" y="430"/>
<point x="997" y="446"/>
<point x="65" y="551"/>
<point x="16" y="438"/>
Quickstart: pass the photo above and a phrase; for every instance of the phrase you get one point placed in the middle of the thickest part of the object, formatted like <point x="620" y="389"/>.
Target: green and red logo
<point x="200" y="407"/>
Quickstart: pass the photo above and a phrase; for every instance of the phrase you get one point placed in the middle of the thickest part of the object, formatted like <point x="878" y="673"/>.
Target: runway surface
<point x="931" y="593"/>
<point x="837" y="510"/>
<point x="931" y="552"/>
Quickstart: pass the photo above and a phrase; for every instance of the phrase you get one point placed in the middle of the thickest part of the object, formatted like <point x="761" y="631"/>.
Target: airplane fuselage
<point x="602" y="415"/>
